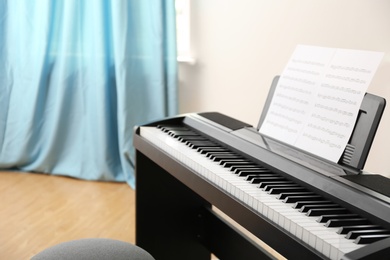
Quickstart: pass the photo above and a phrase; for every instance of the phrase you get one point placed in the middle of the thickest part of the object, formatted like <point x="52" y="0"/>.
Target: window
<point x="183" y="36"/>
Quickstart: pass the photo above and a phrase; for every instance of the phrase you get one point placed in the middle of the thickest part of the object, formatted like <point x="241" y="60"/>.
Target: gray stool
<point x="94" y="248"/>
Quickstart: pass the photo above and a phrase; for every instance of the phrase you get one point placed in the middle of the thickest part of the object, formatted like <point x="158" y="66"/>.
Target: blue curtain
<point x="76" y="76"/>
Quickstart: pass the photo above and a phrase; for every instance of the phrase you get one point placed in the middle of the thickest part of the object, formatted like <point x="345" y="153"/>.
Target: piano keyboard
<point x="319" y="223"/>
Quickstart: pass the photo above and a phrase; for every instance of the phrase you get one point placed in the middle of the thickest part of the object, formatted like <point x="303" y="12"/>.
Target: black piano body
<point x="174" y="204"/>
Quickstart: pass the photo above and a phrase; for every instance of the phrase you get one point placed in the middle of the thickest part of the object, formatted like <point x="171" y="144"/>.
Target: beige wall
<point x="240" y="45"/>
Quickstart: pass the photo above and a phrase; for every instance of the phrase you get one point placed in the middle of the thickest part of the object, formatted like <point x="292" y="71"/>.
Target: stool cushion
<point x="94" y="248"/>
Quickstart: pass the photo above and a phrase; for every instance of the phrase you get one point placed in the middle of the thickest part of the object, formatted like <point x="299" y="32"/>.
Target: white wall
<point x="240" y="45"/>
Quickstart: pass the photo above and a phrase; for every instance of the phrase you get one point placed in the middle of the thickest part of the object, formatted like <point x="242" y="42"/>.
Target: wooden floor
<point x="38" y="211"/>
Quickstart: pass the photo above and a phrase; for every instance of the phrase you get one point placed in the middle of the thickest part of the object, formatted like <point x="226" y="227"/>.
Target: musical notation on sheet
<point x="317" y="99"/>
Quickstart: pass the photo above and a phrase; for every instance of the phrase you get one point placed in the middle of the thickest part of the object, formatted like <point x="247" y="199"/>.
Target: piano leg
<point x="167" y="222"/>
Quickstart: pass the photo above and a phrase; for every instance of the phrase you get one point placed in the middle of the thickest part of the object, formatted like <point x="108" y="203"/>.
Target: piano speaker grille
<point x="348" y="154"/>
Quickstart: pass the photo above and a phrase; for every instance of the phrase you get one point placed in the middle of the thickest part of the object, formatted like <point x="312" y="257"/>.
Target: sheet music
<point x="317" y="99"/>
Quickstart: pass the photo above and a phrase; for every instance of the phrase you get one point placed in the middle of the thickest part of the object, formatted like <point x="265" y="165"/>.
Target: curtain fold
<point x="76" y="76"/>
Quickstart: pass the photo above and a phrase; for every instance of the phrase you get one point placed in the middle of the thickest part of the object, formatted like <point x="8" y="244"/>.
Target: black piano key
<point x="227" y="163"/>
<point x="326" y="218"/>
<point x="283" y="196"/>
<point x="167" y="129"/>
<point x="235" y="168"/>
<point x="198" y="144"/>
<point x="223" y="156"/>
<point x="182" y="133"/>
<point x="344" y="230"/>
<point x="206" y="143"/>
<point x="300" y="204"/>
<point x="355" y="234"/>
<point x="249" y="176"/>
<point x="222" y="161"/>
<point x="368" y="239"/>
<point x="235" y="163"/>
<point x="268" y="187"/>
<point x="326" y="211"/>
<point x="218" y="151"/>
<point x="306" y="208"/>
<point x="191" y="138"/>
<point x="205" y="150"/>
<point x="287" y="190"/>
<point x="252" y="166"/>
<point x="279" y="190"/>
<point x="248" y="172"/>
<point x="262" y="181"/>
<point x="259" y="170"/>
<point x="293" y="199"/>
<point x="346" y="222"/>
<point x="246" y="168"/>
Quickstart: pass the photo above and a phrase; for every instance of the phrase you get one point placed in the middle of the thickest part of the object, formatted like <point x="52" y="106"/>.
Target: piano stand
<point x="173" y="222"/>
<point x="166" y="214"/>
<point x="174" y="218"/>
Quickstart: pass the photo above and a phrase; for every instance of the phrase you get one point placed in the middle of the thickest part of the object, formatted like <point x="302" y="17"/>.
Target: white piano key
<point x="307" y="229"/>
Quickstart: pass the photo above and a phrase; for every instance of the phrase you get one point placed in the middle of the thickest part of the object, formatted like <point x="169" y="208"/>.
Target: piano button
<point x="283" y="196"/>
<point x="306" y="208"/>
<point x="357" y="233"/>
<point x="300" y="204"/>
<point x="344" y="230"/>
<point x="368" y="239"/>
<point x="326" y="211"/>
<point x="326" y="218"/>
<point x="293" y="199"/>
<point x="346" y="222"/>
